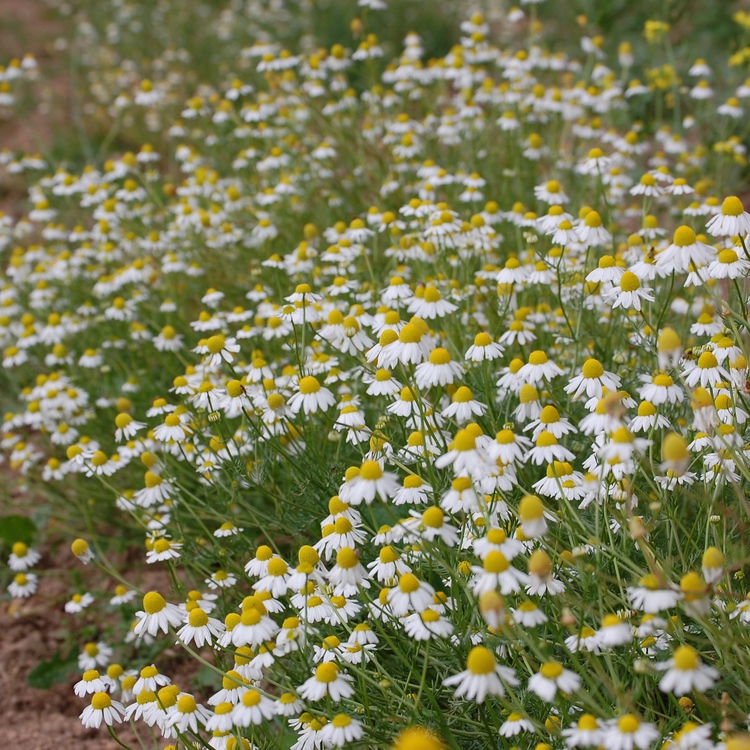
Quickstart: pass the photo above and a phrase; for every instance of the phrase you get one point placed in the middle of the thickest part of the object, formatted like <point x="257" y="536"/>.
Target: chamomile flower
<point x="651" y="596"/>
<point x="529" y="615"/>
<point x="614" y="632"/>
<point x="422" y="626"/>
<point x="628" y="732"/>
<point x="23" y="585"/>
<point x="706" y="372"/>
<point x="591" y="381"/>
<point x="199" y="628"/>
<point x="410" y="595"/>
<point x="728" y="265"/>
<point x="733" y="219"/>
<point x="78" y="603"/>
<point x="327" y="680"/>
<point x="483" y="349"/>
<point x="101" y="709"/>
<point x="483" y="676"/>
<point x="253" y="708"/>
<point x="587" y="732"/>
<point x="311" y="397"/>
<point x="713" y="565"/>
<point x="370" y="482"/>
<point x="496" y="572"/>
<point x="539" y="368"/>
<point x="187" y="714"/>
<point x="439" y="370"/>
<point x="685" y="673"/>
<point x="515" y="724"/>
<point x="22" y="557"/>
<point x="628" y="293"/>
<point x="463" y="406"/>
<point x="550" y="678"/>
<point x="92" y="682"/>
<point x="157" y="614"/>
<point x="94" y="655"/>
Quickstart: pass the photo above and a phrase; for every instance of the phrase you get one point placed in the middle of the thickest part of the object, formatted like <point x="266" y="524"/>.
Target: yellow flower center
<point x="464" y="441"/>
<point x="628" y="724"/>
<point x="408" y="583"/>
<point x="347" y="558"/>
<point x="433" y="517"/>
<point x="216" y="343"/>
<point x="629" y="282"/>
<point x="327" y="672"/>
<point x="732" y="206"/>
<point x="592" y="369"/>
<point x="587" y="722"/>
<point x="707" y="361"/>
<point x="463" y="395"/>
<point x="684" y="236"/>
<point x="410" y="334"/>
<point x="309" y="385"/>
<point x="480" y="661"/>
<point x="186" y="704"/>
<point x="530" y="508"/>
<point x="496" y="562"/>
<point x="100" y="701"/>
<point x="153" y="602"/>
<point x="440" y="356"/>
<point x="371" y="471"/>
<point x="551" y="670"/>
<point x="686" y="659"/>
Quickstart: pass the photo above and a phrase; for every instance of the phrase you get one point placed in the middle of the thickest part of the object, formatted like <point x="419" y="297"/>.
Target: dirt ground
<point x="31" y="718"/>
<point x="29" y="630"/>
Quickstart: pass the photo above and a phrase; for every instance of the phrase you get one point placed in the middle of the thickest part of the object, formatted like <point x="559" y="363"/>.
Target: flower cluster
<point x="470" y="459"/>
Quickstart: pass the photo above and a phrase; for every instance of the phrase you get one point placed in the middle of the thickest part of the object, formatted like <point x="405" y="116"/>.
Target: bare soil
<point x="29" y="630"/>
<point x="31" y="718"/>
<point x="30" y="26"/>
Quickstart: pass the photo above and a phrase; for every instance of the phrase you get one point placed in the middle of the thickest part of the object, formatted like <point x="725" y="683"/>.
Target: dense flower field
<point x="424" y="381"/>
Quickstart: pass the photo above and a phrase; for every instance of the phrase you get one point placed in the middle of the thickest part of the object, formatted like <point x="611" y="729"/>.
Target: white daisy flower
<point x="421" y="626"/>
<point x="685" y="672"/>
<point x="92" y="682"/>
<point x="728" y="265"/>
<point x="483" y="349"/>
<point x="651" y="597"/>
<point x="733" y="219"/>
<point x="311" y="397"/>
<point x="586" y="733"/>
<point x="200" y="628"/>
<point x="328" y="680"/>
<point x="552" y="677"/>
<point x="496" y="572"/>
<point x="370" y="482"/>
<point x="614" y="632"/>
<point x="187" y="714"/>
<point x="23" y="585"/>
<point x="78" y="603"/>
<point x="253" y="708"/>
<point x="410" y="595"/>
<point x="483" y="676"/>
<point x="515" y="724"/>
<point x="22" y="557"/>
<point x="628" y="293"/>
<point x="101" y="709"/>
<point x="628" y="732"/>
<point x="342" y="730"/>
<point x="591" y="381"/>
<point x="157" y="614"/>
